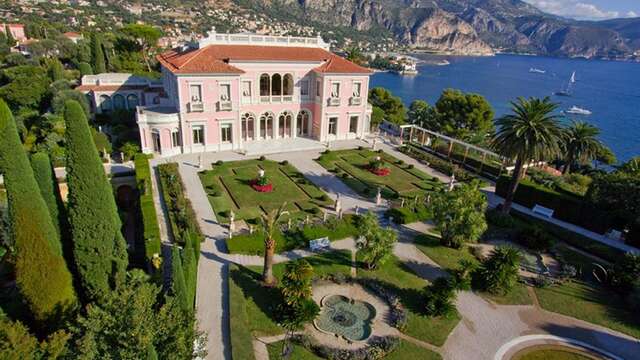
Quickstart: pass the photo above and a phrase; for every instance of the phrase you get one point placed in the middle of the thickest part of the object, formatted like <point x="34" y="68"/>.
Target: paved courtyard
<point x="484" y="328"/>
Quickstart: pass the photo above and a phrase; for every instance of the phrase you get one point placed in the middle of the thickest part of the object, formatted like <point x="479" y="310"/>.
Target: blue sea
<point x="611" y="90"/>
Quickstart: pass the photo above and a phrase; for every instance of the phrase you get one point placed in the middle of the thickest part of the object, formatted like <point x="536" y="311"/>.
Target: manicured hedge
<point x="409" y="214"/>
<point x="444" y="166"/>
<point x="151" y="229"/>
<point x="182" y="217"/>
<point x="567" y="207"/>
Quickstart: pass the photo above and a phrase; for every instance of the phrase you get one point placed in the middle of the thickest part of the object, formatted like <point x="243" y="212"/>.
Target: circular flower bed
<point x="262" y="185"/>
<point x="381" y="171"/>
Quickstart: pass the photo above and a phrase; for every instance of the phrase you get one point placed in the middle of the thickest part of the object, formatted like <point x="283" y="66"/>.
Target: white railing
<point x="333" y="101"/>
<point x="354" y="101"/>
<point x="196" y="106"/>
<point x="214" y="38"/>
<point x="225" y="106"/>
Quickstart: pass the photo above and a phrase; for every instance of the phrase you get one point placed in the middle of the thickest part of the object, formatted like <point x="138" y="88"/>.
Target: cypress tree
<point x="56" y="70"/>
<point x="190" y="269"/>
<point x="11" y="41"/>
<point x="48" y="189"/>
<point x="99" y="248"/>
<point x="98" y="55"/>
<point x="178" y="283"/>
<point x="48" y="184"/>
<point x="85" y="69"/>
<point x="41" y="273"/>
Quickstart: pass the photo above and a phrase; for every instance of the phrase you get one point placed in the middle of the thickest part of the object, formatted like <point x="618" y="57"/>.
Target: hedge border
<point x="151" y="228"/>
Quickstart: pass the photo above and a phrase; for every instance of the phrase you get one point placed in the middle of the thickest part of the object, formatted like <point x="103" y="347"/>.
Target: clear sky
<point x="590" y="9"/>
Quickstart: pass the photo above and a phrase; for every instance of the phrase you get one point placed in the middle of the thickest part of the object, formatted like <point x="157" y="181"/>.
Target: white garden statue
<point x="378" y="198"/>
<point x="452" y="182"/>
<point x="261" y="173"/>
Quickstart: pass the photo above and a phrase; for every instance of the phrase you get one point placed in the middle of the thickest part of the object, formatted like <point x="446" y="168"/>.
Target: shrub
<point x="284" y="162"/>
<point x="219" y="162"/>
<point x="439" y="297"/>
<point x="262" y="158"/>
<point x="459" y="214"/>
<point x="344" y="175"/>
<point x="151" y="229"/>
<point x="379" y="151"/>
<point x="323" y="197"/>
<point x="410" y="166"/>
<point x="400" y="162"/>
<point x="315" y="210"/>
<point x="360" y="147"/>
<point x="534" y="237"/>
<point x="498" y="218"/>
<point x="626" y="274"/>
<point x="326" y="151"/>
<point x="499" y="272"/>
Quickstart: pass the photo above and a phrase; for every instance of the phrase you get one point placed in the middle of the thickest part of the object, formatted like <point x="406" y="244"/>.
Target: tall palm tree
<point x="581" y="144"/>
<point x="531" y="132"/>
<point x="269" y="223"/>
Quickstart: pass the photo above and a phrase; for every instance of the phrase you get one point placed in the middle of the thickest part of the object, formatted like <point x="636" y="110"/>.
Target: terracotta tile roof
<point x="215" y="58"/>
<point x="72" y="34"/>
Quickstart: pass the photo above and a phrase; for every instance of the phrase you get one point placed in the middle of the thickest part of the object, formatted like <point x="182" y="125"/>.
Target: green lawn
<point x="449" y="258"/>
<point x="298" y="353"/>
<point x="296" y="239"/>
<point x="407" y="350"/>
<point x="409" y="287"/>
<point x="351" y="168"/>
<point x="228" y="189"/>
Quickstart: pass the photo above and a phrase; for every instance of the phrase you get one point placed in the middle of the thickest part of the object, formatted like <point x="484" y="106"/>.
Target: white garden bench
<point x="320" y="244"/>
<point x="541" y="210"/>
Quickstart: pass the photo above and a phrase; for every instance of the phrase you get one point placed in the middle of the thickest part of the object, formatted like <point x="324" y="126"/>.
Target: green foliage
<point x="616" y="194"/>
<point x="17" y="343"/>
<point x="56" y="70"/>
<point x="11" y="41"/>
<point x="459" y="214"/>
<point x="61" y="97"/>
<point x="145" y="36"/>
<point x="581" y="144"/>
<point x="531" y="133"/>
<point x="534" y="237"/>
<point x="463" y="116"/>
<point x="298" y="307"/>
<point x="421" y="113"/>
<point x="498" y="274"/>
<point x="440" y="296"/>
<point x="130" y="320"/>
<point x="178" y="282"/>
<point x="48" y="186"/>
<point x="97" y="54"/>
<point x="99" y="247"/>
<point x="129" y="149"/>
<point x="392" y="106"/>
<point x="376" y="246"/>
<point x="631" y="167"/>
<point x="190" y="268"/>
<point x="41" y="273"/>
<point x="85" y="69"/>
<point x="25" y="87"/>
<point x="626" y="273"/>
<point x="151" y="231"/>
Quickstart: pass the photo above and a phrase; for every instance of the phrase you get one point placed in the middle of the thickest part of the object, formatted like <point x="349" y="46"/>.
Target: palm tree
<point x="531" y="132"/>
<point x="269" y="223"/>
<point x="581" y="144"/>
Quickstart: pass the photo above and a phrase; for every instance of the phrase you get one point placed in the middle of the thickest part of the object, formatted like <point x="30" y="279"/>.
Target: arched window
<point x="132" y="101"/>
<point x="276" y="84"/>
<point x="266" y="125"/>
<point x="284" y="124"/>
<point x="303" y="123"/>
<point x="265" y="87"/>
<point x="105" y="103"/>
<point x="118" y="102"/>
<point x="287" y="84"/>
<point x="248" y="126"/>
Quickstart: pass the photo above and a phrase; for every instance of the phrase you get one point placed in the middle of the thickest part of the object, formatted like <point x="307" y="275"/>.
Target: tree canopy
<point x="467" y="117"/>
<point x="392" y="106"/>
<point x="459" y="214"/>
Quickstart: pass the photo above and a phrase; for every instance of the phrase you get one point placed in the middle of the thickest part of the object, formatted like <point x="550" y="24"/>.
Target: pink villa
<point x="242" y="92"/>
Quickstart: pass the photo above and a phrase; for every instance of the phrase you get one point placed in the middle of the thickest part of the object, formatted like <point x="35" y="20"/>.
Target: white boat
<point x="567" y="90"/>
<point x="537" y="71"/>
<point x="577" y="111"/>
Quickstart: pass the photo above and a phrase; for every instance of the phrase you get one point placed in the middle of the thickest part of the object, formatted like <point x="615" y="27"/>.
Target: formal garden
<point x="246" y="189"/>
<point x="366" y="171"/>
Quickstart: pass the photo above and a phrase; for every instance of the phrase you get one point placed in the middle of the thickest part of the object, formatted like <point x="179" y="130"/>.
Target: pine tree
<point x="178" y="282"/>
<point x="190" y="268"/>
<point x="56" y="70"/>
<point x="98" y="54"/>
<point x="85" y="69"/>
<point x="99" y="249"/>
<point x="48" y="189"/>
<point x="41" y="273"/>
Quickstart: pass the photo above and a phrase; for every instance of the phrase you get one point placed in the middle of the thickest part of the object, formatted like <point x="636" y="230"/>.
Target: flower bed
<point x="380" y="171"/>
<point x="262" y="188"/>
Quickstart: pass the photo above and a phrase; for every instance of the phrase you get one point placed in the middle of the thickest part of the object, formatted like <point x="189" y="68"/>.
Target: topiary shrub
<point x="400" y="162"/>
<point x="315" y="211"/>
<point x="284" y="162"/>
<point x="262" y="158"/>
<point x="410" y="166"/>
<point x="360" y="147"/>
<point x="323" y="197"/>
<point x="379" y="151"/>
<point x="534" y="237"/>
<point x="344" y="175"/>
<point x="219" y="162"/>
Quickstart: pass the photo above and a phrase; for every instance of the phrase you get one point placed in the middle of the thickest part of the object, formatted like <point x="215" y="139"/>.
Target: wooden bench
<point x="541" y="210"/>
<point x="321" y="244"/>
